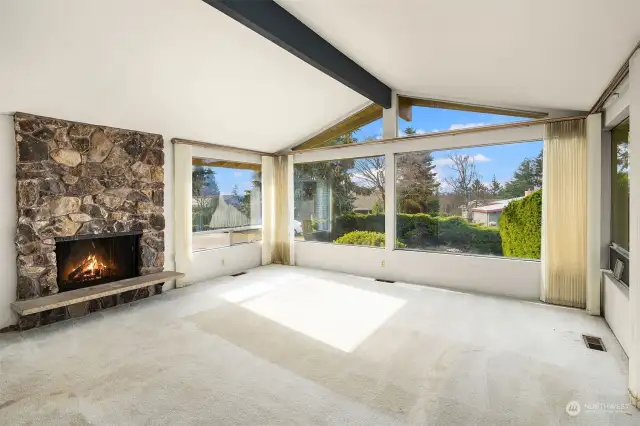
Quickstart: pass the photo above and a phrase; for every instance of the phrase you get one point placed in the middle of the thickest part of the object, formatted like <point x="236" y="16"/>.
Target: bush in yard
<point x="364" y="238"/>
<point x="424" y="231"/>
<point x="520" y="224"/>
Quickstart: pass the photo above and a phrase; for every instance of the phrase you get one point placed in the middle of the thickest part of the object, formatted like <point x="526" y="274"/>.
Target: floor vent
<point x="238" y="274"/>
<point x="594" y="343"/>
<point x="384" y="281"/>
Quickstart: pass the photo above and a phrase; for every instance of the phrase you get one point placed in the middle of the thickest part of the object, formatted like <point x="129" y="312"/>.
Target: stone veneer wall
<point x="78" y="179"/>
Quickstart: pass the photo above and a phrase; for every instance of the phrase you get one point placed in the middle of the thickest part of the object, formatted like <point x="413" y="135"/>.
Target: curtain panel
<point x="564" y="220"/>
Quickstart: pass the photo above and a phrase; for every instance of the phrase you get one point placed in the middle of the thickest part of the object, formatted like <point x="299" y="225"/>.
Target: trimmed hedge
<point x="520" y="224"/>
<point x="423" y="231"/>
<point x="365" y="238"/>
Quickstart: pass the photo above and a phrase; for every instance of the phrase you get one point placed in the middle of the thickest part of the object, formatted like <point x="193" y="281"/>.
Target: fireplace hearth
<point x="85" y="261"/>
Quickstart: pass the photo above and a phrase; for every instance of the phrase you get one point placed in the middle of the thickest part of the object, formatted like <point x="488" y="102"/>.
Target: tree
<point x="235" y="193"/>
<point x="479" y="190"/>
<point x="409" y="131"/>
<point x="528" y="176"/>
<point x="370" y="175"/>
<point x="496" y="189"/>
<point x="464" y="168"/>
<point x="205" y="193"/>
<point x="417" y="183"/>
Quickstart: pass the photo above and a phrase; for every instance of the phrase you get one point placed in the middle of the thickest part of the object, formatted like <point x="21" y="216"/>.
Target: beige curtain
<point x="182" y="155"/>
<point x="564" y="219"/>
<point x="268" y="209"/>
<point x="281" y="249"/>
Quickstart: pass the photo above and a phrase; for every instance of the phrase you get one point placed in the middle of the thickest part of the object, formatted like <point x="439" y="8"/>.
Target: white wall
<point x="8" y="219"/>
<point x="616" y="309"/>
<point x="479" y="274"/>
<point x="224" y="261"/>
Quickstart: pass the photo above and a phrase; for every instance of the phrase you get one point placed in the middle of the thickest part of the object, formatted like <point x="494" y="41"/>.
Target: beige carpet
<point x="287" y="346"/>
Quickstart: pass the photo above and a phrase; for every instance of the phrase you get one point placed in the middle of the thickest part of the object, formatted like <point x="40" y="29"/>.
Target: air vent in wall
<point x="384" y="281"/>
<point x="594" y="343"/>
<point x="238" y="274"/>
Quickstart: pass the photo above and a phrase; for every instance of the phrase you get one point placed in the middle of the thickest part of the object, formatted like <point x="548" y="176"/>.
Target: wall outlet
<point x="222" y="262"/>
<point x="382" y="263"/>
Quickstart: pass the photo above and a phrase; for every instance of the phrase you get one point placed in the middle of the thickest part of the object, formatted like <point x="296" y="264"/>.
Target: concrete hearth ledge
<point x="58" y="300"/>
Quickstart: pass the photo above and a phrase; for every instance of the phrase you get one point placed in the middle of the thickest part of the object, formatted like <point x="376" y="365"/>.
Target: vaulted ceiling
<point x="184" y="69"/>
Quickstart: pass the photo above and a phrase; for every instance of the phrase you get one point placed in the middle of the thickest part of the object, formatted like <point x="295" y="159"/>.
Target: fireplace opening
<point x="92" y="260"/>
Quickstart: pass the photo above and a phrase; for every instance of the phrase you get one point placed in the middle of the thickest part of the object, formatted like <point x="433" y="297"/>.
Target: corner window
<point x="340" y="201"/>
<point x="226" y="203"/>
<point x="481" y="200"/>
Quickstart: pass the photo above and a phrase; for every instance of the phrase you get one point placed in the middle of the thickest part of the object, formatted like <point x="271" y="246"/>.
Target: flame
<point x="90" y="268"/>
<point x="94" y="265"/>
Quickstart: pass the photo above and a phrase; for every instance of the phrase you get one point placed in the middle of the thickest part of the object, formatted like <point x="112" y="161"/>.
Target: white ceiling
<point x="550" y="54"/>
<point x="176" y="67"/>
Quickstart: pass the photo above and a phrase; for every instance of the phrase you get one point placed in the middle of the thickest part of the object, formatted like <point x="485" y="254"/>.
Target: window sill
<point x="337" y="245"/>
<point x="225" y="247"/>
<point x="445" y="253"/>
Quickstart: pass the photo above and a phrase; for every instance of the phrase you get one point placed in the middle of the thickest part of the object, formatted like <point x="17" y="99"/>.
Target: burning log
<point x="88" y="269"/>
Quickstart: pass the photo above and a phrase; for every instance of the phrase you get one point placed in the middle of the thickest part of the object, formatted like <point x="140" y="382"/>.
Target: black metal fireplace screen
<point x="89" y="260"/>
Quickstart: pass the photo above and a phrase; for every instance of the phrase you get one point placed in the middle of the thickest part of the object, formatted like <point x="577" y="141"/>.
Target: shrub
<point x="423" y="231"/>
<point x="365" y="238"/>
<point x="520" y="224"/>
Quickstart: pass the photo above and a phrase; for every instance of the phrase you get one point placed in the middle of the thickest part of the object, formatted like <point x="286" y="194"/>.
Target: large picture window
<point x="340" y="201"/>
<point x="482" y="200"/>
<point x="226" y="203"/>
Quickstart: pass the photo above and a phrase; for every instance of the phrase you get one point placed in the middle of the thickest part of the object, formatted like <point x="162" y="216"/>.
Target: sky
<point x="498" y="160"/>
<point x="227" y="178"/>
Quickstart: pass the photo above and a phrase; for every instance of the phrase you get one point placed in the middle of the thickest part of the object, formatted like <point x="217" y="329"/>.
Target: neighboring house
<point x="365" y="203"/>
<point x="489" y="214"/>
<point x="317" y="207"/>
<point x="227" y="214"/>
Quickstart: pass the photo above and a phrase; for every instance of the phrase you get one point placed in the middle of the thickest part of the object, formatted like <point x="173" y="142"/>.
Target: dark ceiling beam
<point x="273" y="22"/>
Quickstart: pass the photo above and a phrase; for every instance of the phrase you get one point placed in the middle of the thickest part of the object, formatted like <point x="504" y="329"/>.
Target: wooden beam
<point x="272" y="21"/>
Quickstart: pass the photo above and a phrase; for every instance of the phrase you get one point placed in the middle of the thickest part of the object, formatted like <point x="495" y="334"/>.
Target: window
<point x="226" y="203"/>
<point x="363" y="126"/>
<point x="340" y="201"/>
<point x="620" y="197"/>
<point x="620" y="185"/>
<point x="480" y="200"/>
<point x="417" y="116"/>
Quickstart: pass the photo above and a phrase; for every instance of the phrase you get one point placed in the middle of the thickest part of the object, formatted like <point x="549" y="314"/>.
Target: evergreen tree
<point x="479" y="190"/>
<point x="528" y="176"/>
<point x="417" y="183"/>
<point x="496" y="189"/>
<point x="409" y="131"/>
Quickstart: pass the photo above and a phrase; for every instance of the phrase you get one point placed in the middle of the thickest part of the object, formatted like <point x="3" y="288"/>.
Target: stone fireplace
<point x="90" y="210"/>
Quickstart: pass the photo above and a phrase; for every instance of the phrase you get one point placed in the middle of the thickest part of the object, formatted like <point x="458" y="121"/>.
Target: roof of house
<point x="494" y="206"/>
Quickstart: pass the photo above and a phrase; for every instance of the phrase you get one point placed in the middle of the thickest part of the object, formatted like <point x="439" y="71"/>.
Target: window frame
<point x="232" y="157"/>
<point x="460" y="253"/>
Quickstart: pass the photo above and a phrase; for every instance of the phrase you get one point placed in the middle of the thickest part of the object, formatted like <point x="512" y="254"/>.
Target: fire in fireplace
<point x="90" y="260"/>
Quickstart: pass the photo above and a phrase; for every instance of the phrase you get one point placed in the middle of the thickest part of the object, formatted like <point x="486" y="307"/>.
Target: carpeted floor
<point x="283" y="345"/>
